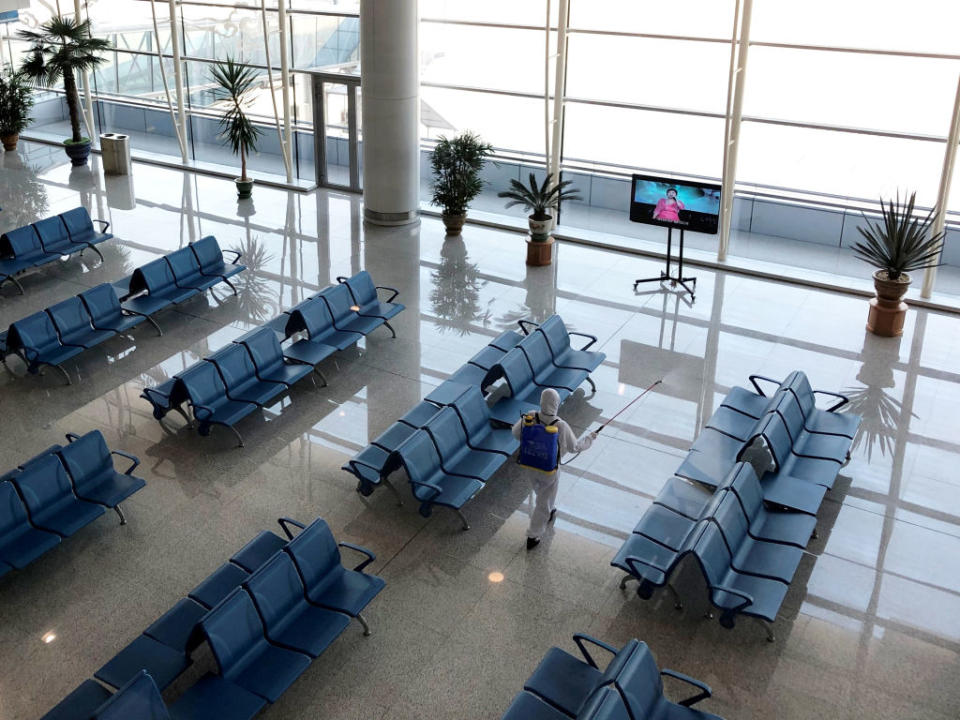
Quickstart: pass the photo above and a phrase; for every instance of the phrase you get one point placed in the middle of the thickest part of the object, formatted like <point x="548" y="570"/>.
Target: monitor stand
<point x="678" y="279"/>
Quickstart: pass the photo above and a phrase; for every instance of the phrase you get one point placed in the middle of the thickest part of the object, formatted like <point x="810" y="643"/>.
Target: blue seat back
<point x="276" y="589"/>
<point x="264" y="348"/>
<point x="34" y="331"/>
<point x="19" y="242"/>
<point x="339" y="301"/>
<point x="774" y="430"/>
<point x="362" y="288"/>
<point x="208" y="253"/>
<point x="639" y="682"/>
<point x="234" y="364"/>
<point x="537" y="351"/>
<point x="44" y="485"/>
<point x="234" y="632"/>
<point x="86" y="459"/>
<point x="728" y="515"/>
<point x="183" y="263"/>
<point x="53" y="233"/>
<point x="745" y="484"/>
<point x="507" y="340"/>
<point x="711" y="550"/>
<point x="789" y="408"/>
<point x="474" y="411"/>
<point x="556" y="335"/>
<point x="139" y="699"/>
<point x="517" y="373"/>
<point x="619" y="661"/>
<point x="155" y="277"/>
<point x="316" y="554"/>
<point x="70" y="316"/>
<point x="604" y="703"/>
<point x="314" y="316"/>
<point x="800" y="386"/>
<point x="447" y="433"/>
<point x="77" y="222"/>
<point x="203" y="384"/>
<point x="102" y="303"/>
<point x="419" y="457"/>
<point x="13" y="515"/>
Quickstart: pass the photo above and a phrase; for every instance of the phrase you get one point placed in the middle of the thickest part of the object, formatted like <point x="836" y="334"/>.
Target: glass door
<point x="336" y="116"/>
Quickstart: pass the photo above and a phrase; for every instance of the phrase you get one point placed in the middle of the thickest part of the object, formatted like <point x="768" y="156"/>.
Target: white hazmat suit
<point x="544" y="484"/>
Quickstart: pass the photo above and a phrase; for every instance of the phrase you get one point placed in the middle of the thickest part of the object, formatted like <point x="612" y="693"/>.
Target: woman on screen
<point x="668" y="208"/>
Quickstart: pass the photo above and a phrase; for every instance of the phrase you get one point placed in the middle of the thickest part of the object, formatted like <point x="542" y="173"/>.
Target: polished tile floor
<point x="869" y="629"/>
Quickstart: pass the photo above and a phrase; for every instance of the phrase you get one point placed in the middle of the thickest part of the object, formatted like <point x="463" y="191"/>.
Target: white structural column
<point x="285" y="85"/>
<point x="390" y="85"/>
<point x="177" y="76"/>
<point x="87" y="95"/>
<point x="738" y="79"/>
<point x="943" y="196"/>
<point x="559" y="89"/>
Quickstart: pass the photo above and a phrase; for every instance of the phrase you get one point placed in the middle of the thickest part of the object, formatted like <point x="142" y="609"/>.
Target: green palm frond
<point x="235" y="80"/>
<point x="899" y="242"/>
<point x="537" y="199"/>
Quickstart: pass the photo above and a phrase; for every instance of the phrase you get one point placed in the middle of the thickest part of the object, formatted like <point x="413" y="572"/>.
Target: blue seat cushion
<point x="214" y="697"/>
<point x="563" y="680"/>
<point x="347" y="591"/>
<point x="747" y="402"/>
<point x="218" y="584"/>
<point x="256" y="552"/>
<point x="162" y="662"/>
<point x="226" y="412"/>
<point x="147" y="304"/>
<point x="391" y="438"/>
<point x="311" y="630"/>
<point x="308" y="352"/>
<point x="26" y="544"/>
<point x="658" y="559"/>
<point x="175" y="627"/>
<point x="733" y="423"/>
<point x="69" y="519"/>
<point x="80" y="704"/>
<point x="111" y="488"/>
<point x="664" y="526"/>
<point x="420" y="414"/>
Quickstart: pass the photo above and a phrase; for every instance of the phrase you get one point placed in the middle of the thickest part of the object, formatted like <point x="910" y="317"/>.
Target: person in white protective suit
<point x="545" y="483"/>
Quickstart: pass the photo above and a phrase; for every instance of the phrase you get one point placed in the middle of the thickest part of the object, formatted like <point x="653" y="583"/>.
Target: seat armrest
<point x="104" y="225"/>
<point x="591" y="338"/>
<point x="393" y="290"/>
<point x="631" y="560"/>
<point x="238" y="254"/>
<point x="341" y="279"/>
<point x="754" y="378"/>
<point x="437" y="490"/>
<point x="207" y="412"/>
<point x="523" y="325"/>
<point x="581" y="638"/>
<point x="362" y="550"/>
<point x="133" y="458"/>
<point x="285" y="521"/>
<point x="843" y="399"/>
<point x="72" y="436"/>
<point x="747" y="599"/>
<point x="149" y="391"/>
<point x="704" y="693"/>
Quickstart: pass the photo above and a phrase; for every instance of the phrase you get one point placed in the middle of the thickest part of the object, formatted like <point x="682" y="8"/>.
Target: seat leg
<point x="592" y="385"/>
<point x="97" y="251"/>
<point x="466" y="525"/>
<point x="366" y="628"/>
<point x="232" y="286"/>
<point x="677" y="602"/>
<point x="237" y="433"/>
<point x="626" y="578"/>
<point x="394" y="491"/>
<point x="155" y="326"/>
<point x="390" y="328"/>
<point x="814" y="535"/>
<point x="117" y="509"/>
<point x="317" y="371"/>
<point x="66" y="375"/>
<point x="768" y="627"/>
<point x="16" y="282"/>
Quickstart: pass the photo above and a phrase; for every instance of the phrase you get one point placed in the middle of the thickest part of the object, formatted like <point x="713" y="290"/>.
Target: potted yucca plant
<point x="16" y="101"/>
<point x="896" y="244"/>
<point x="539" y="200"/>
<point x="234" y="81"/>
<point x="456" y="164"/>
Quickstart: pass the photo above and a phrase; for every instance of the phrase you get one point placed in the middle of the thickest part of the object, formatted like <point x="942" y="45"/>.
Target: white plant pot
<point x="540" y="229"/>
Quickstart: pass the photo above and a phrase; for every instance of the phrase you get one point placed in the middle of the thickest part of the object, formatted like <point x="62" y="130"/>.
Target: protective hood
<point x="549" y="406"/>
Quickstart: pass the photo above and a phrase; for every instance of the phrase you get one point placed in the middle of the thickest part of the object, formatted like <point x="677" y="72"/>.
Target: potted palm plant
<point x="234" y="82"/>
<point x="456" y="164"/>
<point x="538" y="200"/>
<point x="895" y="245"/>
<point x="59" y="49"/>
<point x="16" y="101"/>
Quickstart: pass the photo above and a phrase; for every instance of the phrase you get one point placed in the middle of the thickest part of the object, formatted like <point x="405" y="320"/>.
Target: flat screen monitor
<point x="668" y="202"/>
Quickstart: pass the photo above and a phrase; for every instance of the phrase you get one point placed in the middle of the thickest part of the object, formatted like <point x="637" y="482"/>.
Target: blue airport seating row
<point x="630" y="687"/>
<point x="46" y="241"/>
<point x="254" y="369"/>
<point x="54" y="494"/>
<point x="275" y="605"/>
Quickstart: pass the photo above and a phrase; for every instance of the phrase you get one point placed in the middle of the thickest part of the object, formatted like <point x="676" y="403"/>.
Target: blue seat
<point x="792" y="528"/>
<point x="370" y="466"/>
<point x="731" y="592"/>
<point x="527" y="706"/>
<point x="313" y="317"/>
<point x="419" y="415"/>
<point x="23" y="245"/>
<point x="235" y="633"/>
<point x="80" y="704"/>
<point x="256" y="552"/>
<point x="524" y="391"/>
<point x="20" y="542"/>
<point x="829" y="421"/>
<point x="290" y="620"/>
<point x="506" y="341"/>
<point x="345" y="318"/>
<point x="35" y="339"/>
<point x="139" y="698"/>
<point x="605" y="704"/>
<point x="640" y="685"/>
<point x="175" y="628"/>
<point x="747" y="402"/>
<point x="749" y="555"/>
<point x="9" y="268"/>
<point x="481" y="435"/>
<point x="774" y="432"/>
<point x="648" y="561"/>
<point x="805" y="443"/>
<point x="51" y="503"/>
<point x="327" y="582"/>
<point x="364" y="295"/>
<point x="55" y="238"/>
<point x="456" y="456"/>
<point x="218" y="584"/>
<point x="186" y="271"/>
<point x="74" y="324"/>
<point x="665" y="527"/>
<point x="240" y="376"/>
<point x="683" y="498"/>
<point x="162" y="662"/>
<point x="469" y="374"/>
<point x="733" y="423"/>
<point x="156" y="280"/>
<point x="89" y="463"/>
<point x="208" y="399"/>
<point x="106" y="312"/>
<point x="394" y="436"/>
<point x="545" y="373"/>
<point x="564" y="355"/>
<point x="80" y="227"/>
<point x="210" y="256"/>
<point x="487" y="356"/>
<point x="215" y="697"/>
<point x="267" y="357"/>
<point x="429" y="484"/>
<point x="168" y="395"/>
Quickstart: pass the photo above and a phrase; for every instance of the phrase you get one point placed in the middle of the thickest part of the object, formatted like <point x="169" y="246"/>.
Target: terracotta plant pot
<point x="244" y="188"/>
<point x="453" y="222"/>
<point x="540" y="252"/>
<point x="10" y="142"/>
<point x="887" y="310"/>
<point x="540" y="229"/>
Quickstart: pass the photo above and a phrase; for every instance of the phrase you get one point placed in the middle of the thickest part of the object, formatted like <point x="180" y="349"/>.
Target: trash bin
<point x="115" y="151"/>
